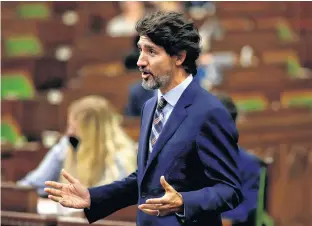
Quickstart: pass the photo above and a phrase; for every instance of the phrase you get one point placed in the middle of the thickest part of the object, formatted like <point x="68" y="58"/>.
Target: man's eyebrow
<point x="146" y="46"/>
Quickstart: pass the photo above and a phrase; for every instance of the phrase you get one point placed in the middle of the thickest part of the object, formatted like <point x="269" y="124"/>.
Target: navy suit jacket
<point x="197" y="153"/>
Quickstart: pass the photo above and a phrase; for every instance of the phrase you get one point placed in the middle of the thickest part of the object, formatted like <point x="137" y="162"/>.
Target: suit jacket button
<point x="143" y="195"/>
<point x="194" y="221"/>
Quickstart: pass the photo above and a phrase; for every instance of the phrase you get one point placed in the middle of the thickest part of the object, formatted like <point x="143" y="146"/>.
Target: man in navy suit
<point x="187" y="158"/>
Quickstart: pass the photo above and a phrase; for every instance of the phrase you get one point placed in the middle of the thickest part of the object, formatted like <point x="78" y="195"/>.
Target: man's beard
<point x="155" y="82"/>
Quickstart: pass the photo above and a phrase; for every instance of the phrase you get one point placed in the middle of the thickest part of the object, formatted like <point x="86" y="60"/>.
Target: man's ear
<point x="180" y="58"/>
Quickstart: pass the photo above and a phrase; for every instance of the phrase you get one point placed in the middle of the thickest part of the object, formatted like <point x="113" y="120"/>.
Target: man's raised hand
<point x="73" y="195"/>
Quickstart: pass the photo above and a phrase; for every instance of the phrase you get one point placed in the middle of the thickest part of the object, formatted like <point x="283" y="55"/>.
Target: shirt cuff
<point x="180" y="214"/>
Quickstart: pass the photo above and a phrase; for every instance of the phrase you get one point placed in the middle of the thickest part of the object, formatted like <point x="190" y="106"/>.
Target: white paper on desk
<point x="49" y="207"/>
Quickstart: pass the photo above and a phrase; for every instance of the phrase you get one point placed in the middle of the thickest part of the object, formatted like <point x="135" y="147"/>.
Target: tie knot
<point x="161" y="104"/>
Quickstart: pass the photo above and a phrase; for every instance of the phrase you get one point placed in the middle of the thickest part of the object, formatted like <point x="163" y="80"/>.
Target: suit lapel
<point x="176" y="118"/>
<point x="145" y="127"/>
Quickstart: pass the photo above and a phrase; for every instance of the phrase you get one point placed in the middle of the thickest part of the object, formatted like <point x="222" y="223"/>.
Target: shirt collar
<point x="174" y="94"/>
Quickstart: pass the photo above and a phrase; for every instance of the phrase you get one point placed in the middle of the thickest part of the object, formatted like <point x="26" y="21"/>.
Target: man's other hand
<point x="171" y="202"/>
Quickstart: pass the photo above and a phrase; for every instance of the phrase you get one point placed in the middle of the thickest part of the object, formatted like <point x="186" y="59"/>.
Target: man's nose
<point x="142" y="62"/>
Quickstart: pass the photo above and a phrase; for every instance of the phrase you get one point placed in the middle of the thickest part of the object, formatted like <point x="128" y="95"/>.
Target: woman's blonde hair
<point x="101" y="138"/>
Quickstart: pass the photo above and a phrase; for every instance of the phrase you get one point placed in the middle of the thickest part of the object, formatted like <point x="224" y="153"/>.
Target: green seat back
<point x="248" y="105"/>
<point x="8" y="133"/>
<point x="299" y="99"/>
<point x="284" y="32"/>
<point x="293" y="66"/>
<point x="34" y="10"/>
<point x="17" y="86"/>
<point x="19" y="46"/>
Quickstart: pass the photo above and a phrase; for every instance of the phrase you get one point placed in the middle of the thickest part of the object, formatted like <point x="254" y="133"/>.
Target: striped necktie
<point x="158" y="121"/>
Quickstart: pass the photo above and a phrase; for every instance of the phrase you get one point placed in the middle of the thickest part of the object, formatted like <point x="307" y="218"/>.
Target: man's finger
<point x="69" y="177"/>
<point x="150" y="206"/>
<point x="159" y="201"/>
<point x="165" y="184"/>
<point x="54" y="198"/>
<point x="161" y="208"/>
<point x="165" y="208"/>
<point x="54" y="184"/>
<point x="53" y="192"/>
<point x="150" y="212"/>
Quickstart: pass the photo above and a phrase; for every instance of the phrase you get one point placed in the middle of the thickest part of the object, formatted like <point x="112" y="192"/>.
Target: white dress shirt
<point x="172" y="98"/>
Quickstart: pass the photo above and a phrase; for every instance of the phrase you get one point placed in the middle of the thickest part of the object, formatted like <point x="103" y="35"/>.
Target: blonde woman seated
<point x="96" y="149"/>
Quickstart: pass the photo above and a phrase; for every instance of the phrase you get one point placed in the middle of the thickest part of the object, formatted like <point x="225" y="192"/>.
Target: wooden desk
<point x="16" y="163"/>
<point x="20" y="199"/>
<point x="9" y="218"/>
<point x="73" y="221"/>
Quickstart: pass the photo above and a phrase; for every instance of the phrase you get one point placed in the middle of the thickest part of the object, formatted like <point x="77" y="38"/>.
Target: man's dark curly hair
<point x="174" y="33"/>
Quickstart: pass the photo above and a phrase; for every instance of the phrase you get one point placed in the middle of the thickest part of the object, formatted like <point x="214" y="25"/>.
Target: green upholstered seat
<point x="303" y="98"/>
<point x="16" y="86"/>
<point x="22" y="45"/>
<point x="284" y="32"/>
<point x="8" y="133"/>
<point x="34" y="10"/>
<point x="252" y="104"/>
